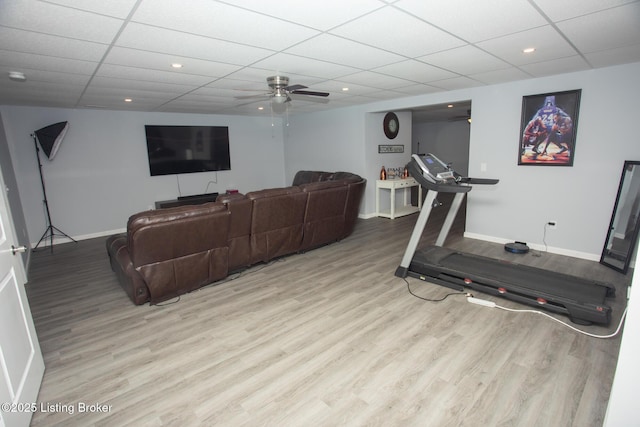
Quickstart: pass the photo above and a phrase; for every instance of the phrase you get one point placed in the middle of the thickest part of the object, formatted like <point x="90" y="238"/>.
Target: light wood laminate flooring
<point x="325" y="338"/>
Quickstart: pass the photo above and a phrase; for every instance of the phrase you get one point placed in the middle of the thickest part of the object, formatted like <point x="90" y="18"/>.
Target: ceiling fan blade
<point x="311" y="93"/>
<point x="294" y="88"/>
<point x="297" y="97"/>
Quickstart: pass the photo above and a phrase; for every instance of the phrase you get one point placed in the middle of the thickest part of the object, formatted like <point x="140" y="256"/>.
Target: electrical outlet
<point x="552" y="224"/>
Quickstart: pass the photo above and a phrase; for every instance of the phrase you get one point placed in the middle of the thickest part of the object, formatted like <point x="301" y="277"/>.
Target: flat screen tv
<point x="187" y="149"/>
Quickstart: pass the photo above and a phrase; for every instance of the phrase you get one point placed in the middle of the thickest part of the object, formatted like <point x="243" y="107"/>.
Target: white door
<point x="21" y="364"/>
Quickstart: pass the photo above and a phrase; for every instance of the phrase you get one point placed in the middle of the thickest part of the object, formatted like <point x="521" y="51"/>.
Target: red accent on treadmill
<point x="541" y="301"/>
<point x="468" y="281"/>
<point x="502" y="290"/>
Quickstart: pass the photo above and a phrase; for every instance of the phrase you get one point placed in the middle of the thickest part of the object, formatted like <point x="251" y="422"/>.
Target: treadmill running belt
<point x="495" y="272"/>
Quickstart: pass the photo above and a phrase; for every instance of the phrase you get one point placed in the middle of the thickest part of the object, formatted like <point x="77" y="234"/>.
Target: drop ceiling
<point x="97" y="53"/>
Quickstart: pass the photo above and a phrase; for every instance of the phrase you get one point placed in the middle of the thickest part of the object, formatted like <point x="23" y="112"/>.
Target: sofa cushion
<point x="324" y="219"/>
<point x="177" y="250"/>
<point x="277" y="222"/>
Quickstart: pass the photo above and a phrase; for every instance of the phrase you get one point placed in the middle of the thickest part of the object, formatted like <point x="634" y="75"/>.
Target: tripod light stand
<point x="49" y="138"/>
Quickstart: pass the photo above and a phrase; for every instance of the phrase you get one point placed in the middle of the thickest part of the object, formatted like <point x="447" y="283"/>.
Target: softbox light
<point x="50" y="137"/>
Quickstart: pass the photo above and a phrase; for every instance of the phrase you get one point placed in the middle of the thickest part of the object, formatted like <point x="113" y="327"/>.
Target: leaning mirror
<point x="618" y="251"/>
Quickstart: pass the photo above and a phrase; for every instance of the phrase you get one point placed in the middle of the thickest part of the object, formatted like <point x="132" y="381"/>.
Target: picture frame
<point x="386" y="149"/>
<point x="548" y="128"/>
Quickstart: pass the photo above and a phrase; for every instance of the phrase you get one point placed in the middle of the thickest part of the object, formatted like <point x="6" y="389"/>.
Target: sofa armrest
<point x="130" y="280"/>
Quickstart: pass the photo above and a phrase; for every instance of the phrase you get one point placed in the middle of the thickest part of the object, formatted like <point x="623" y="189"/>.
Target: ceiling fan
<point x="466" y="117"/>
<point x="280" y="91"/>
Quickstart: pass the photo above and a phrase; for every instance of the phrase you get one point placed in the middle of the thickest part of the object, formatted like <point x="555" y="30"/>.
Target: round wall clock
<point x="391" y="125"/>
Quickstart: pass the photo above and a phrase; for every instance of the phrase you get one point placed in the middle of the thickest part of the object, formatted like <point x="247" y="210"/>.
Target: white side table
<point x="393" y="185"/>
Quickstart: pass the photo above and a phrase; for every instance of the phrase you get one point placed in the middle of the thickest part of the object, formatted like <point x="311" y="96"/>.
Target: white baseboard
<point x="57" y="239"/>
<point x="538" y="247"/>
<point x="367" y="216"/>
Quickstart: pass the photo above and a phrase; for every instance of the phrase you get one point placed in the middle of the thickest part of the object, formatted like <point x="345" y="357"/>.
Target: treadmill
<point x="582" y="300"/>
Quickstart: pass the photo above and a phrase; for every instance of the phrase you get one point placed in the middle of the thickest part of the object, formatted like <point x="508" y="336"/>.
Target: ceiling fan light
<point x="17" y="76"/>
<point x="279" y="98"/>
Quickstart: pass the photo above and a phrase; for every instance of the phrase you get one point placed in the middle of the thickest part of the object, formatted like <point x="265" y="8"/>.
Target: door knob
<point x="15" y="250"/>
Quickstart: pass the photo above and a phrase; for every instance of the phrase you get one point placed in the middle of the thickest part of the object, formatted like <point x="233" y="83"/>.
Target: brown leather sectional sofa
<point x="168" y="252"/>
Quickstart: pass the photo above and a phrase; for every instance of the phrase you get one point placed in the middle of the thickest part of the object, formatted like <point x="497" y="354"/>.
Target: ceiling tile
<point x="162" y="62"/>
<point x="108" y="97"/>
<point x="335" y="88"/>
<point x="592" y="33"/>
<point x="115" y="8"/>
<point x="621" y="55"/>
<point x="475" y="21"/>
<point x="547" y="68"/>
<point x="546" y="40"/>
<point x="144" y="37"/>
<point x="41" y="91"/>
<point x="247" y="76"/>
<point x="465" y="60"/>
<point x="29" y="61"/>
<point x="283" y="63"/>
<point x="50" y="46"/>
<point x="415" y="71"/>
<point x="151" y="76"/>
<point x="322" y="15"/>
<point x="416" y="89"/>
<point x="36" y="16"/>
<point x="125" y="86"/>
<point x="396" y="31"/>
<point x="561" y="10"/>
<point x="334" y="49"/>
<point x="376" y="80"/>
<point x="382" y="49"/>
<point x="500" y="76"/>
<point x="52" y="77"/>
<point x="455" y="83"/>
<point x="223" y="22"/>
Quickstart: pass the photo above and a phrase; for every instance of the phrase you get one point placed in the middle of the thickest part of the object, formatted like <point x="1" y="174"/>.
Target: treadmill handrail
<point x="480" y="181"/>
<point x="452" y="187"/>
<point x="446" y="186"/>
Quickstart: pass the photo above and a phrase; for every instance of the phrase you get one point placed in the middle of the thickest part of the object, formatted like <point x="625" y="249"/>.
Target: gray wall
<point x="579" y="198"/>
<point x="449" y="141"/>
<point x="100" y="175"/>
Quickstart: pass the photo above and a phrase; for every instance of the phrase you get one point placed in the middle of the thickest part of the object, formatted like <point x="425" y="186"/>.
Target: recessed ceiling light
<point x="17" y="76"/>
<point x="529" y="50"/>
<point x="176" y="65"/>
<point x="260" y="108"/>
<point x="128" y="100"/>
<point x="450" y="106"/>
<point x="345" y="89"/>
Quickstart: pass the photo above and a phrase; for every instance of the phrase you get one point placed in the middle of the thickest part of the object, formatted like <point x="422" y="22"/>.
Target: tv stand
<point x="196" y="199"/>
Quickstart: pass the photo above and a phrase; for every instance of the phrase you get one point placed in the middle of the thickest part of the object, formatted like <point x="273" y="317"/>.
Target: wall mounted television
<point x="187" y="149"/>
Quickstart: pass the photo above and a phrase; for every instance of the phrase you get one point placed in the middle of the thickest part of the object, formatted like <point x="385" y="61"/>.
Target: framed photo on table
<point x="548" y="128"/>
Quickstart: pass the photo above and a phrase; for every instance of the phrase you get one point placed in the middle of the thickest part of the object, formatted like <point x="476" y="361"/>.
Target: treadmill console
<point x="434" y="169"/>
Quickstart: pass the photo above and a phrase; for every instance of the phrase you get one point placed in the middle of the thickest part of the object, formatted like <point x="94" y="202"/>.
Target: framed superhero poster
<point x="548" y="128"/>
